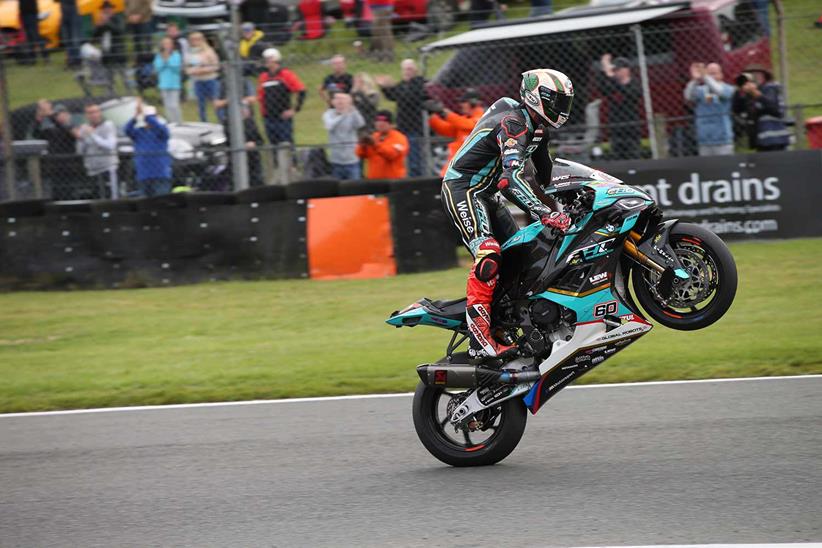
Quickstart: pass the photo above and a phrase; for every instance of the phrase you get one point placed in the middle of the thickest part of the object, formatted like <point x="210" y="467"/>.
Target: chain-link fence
<point x="650" y="81"/>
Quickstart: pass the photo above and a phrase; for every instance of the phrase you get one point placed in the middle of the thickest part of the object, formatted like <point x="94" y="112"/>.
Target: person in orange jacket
<point x="384" y="150"/>
<point x="457" y="126"/>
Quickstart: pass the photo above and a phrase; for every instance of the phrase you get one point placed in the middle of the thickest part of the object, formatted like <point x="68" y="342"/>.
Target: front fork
<point x="657" y="255"/>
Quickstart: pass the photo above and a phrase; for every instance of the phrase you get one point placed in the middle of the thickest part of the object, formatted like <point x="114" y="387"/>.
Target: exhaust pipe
<point x="470" y="376"/>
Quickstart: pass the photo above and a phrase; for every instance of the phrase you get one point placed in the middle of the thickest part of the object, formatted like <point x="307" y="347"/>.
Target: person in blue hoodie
<point x="712" y="99"/>
<point x="168" y="64"/>
<point x="152" y="162"/>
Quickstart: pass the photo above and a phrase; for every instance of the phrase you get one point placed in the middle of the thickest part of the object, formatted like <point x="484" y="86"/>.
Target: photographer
<point x="384" y="150"/>
<point x="711" y="98"/>
<point x="758" y="104"/>
<point x="448" y="123"/>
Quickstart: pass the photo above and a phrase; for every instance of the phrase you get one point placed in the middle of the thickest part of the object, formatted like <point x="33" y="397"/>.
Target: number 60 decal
<point x="604" y="309"/>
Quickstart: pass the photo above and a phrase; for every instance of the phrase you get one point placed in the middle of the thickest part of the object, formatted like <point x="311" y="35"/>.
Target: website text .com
<point x="722" y="226"/>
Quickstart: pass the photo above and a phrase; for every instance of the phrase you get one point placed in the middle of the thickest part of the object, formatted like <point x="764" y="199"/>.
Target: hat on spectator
<point x="59" y="107"/>
<point x="621" y="62"/>
<point x="247" y="26"/>
<point x="760" y="68"/>
<point x="384" y="116"/>
<point x="470" y="94"/>
<point x="272" y="53"/>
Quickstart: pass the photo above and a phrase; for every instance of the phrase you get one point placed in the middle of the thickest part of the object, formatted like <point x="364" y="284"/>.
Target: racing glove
<point x="556" y="220"/>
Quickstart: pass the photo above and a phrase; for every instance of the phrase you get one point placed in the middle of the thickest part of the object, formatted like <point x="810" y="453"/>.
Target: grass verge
<point x="274" y="339"/>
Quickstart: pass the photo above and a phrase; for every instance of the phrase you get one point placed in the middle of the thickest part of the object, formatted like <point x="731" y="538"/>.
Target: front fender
<point x="658" y="249"/>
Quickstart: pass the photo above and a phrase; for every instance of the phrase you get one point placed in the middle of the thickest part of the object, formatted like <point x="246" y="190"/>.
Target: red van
<point x="733" y="33"/>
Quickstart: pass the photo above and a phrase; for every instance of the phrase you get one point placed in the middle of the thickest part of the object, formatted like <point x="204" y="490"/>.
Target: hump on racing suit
<point x="493" y="158"/>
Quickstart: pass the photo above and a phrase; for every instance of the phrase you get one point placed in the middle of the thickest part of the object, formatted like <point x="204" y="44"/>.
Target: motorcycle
<point x="565" y="300"/>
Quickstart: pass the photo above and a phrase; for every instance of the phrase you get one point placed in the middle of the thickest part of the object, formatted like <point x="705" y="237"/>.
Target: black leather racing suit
<point x="491" y="160"/>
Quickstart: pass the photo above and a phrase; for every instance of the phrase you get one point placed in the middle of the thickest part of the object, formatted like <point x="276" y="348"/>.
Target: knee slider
<point x="487" y="268"/>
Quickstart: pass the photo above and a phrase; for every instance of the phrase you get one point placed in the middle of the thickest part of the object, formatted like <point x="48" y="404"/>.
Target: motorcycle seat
<point x="453" y="310"/>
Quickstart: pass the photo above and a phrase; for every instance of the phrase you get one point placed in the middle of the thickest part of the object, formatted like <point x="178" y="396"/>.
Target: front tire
<point x="502" y="427"/>
<point x="713" y="281"/>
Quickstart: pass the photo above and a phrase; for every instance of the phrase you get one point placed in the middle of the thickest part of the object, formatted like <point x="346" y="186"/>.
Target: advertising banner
<point x="765" y="195"/>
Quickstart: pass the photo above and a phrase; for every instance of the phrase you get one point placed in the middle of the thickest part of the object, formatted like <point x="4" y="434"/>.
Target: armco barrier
<point x="191" y="237"/>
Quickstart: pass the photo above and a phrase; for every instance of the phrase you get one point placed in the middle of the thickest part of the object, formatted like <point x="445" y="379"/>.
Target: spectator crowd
<point x="364" y="138"/>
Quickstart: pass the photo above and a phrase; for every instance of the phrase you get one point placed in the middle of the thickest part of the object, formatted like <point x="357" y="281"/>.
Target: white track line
<point x="373" y="396"/>
<point x="788" y="545"/>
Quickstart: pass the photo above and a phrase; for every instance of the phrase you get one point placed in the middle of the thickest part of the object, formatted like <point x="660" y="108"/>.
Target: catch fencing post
<point x="234" y="90"/>
<point x="646" y="90"/>
<point x="8" y="158"/>
<point x="426" y="128"/>
<point x="783" y="48"/>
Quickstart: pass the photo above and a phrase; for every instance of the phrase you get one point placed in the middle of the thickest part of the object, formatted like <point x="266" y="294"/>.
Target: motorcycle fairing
<point x="592" y="343"/>
<point x="586" y="306"/>
<point x="448" y="315"/>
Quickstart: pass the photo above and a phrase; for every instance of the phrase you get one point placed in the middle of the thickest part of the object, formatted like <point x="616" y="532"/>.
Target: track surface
<point x="731" y="462"/>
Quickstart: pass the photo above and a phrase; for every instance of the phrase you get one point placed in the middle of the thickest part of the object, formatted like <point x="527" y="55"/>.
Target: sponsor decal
<point x="560" y="178"/>
<point x="620" y="190"/>
<point x="531" y="98"/>
<point x="510" y="151"/>
<point x="441" y="376"/>
<point x="530" y="82"/>
<point x="562" y="380"/>
<point x="594" y="250"/>
<point x="601" y="277"/>
<point x="465" y="217"/>
<point x="510" y="142"/>
<point x="664" y="254"/>
<point x="623" y="334"/>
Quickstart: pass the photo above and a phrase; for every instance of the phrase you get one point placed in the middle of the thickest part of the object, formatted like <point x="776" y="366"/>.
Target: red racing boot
<point x="480" y="292"/>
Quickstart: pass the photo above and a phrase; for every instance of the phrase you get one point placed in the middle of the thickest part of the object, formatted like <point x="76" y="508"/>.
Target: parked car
<point x="11" y="29"/>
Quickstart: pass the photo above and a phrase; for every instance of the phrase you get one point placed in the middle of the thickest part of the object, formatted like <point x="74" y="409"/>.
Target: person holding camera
<point x="456" y="126"/>
<point x="343" y="121"/>
<point x="760" y="106"/>
<point x="384" y="150"/>
<point x="711" y="98"/>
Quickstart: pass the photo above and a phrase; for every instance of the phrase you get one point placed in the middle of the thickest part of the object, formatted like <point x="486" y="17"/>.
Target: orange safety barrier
<point x="350" y="237"/>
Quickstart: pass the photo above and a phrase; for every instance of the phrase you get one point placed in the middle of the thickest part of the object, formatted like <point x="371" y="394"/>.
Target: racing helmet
<point x="549" y="93"/>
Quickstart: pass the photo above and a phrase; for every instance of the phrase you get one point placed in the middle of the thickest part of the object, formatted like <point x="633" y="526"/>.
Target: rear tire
<point x="713" y="270"/>
<point x="508" y="426"/>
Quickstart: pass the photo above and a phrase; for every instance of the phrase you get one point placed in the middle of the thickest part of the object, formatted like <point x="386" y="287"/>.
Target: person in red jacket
<point x="457" y="126"/>
<point x="274" y="90"/>
<point x="384" y="150"/>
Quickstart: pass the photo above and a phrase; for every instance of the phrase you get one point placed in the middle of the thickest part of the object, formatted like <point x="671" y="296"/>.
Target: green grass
<point x="244" y="340"/>
<point x="28" y="84"/>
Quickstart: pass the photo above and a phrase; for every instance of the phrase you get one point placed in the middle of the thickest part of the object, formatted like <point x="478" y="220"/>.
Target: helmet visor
<point x="555" y="104"/>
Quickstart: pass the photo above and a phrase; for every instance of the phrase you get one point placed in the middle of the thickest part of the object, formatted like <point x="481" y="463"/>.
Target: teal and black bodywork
<point x="577" y="274"/>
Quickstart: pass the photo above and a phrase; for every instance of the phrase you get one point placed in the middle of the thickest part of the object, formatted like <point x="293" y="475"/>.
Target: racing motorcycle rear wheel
<point x="485" y="439"/>
<point x="707" y="295"/>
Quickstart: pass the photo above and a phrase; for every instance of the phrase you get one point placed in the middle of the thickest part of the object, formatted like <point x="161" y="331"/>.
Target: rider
<point x="492" y="159"/>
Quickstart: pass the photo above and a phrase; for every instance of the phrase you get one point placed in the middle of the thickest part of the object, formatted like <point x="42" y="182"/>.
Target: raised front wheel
<point x="706" y="296"/>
